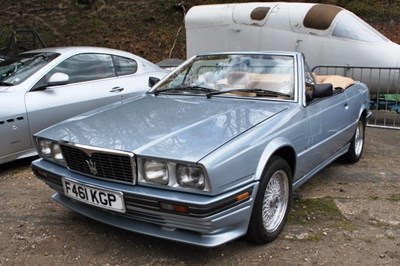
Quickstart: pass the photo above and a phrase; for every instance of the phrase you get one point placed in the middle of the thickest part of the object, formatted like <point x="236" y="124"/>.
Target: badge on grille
<point x="92" y="166"/>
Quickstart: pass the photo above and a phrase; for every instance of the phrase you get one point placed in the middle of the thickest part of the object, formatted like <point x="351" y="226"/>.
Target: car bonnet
<point x="181" y="128"/>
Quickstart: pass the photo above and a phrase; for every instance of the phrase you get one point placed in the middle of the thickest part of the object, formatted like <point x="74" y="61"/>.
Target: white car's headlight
<point x="190" y="176"/>
<point x="50" y="150"/>
<point x="156" y="172"/>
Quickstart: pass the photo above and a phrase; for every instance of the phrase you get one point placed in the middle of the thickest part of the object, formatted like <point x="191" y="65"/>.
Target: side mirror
<point x="57" y="79"/>
<point x="153" y="81"/>
<point x="322" y="90"/>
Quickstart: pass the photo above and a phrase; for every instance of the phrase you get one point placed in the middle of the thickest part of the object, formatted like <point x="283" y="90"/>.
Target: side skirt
<point x="304" y="178"/>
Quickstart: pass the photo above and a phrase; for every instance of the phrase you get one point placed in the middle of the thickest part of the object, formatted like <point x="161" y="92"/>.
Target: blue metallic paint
<point x="231" y="137"/>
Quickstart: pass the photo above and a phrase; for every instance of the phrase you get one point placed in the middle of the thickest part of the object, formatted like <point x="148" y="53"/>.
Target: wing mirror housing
<point x="153" y="81"/>
<point x="57" y="79"/>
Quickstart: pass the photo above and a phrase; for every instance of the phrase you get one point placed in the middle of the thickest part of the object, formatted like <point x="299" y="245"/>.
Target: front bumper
<point x="211" y="221"/>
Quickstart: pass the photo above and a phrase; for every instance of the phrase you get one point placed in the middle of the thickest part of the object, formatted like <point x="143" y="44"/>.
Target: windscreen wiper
<point x="262" y="92"/>
<point x="186" y="88"/>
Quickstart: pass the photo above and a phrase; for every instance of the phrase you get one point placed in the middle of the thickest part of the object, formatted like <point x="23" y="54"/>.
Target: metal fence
<point x="22" y="40"/>
<point x="384" y="86"/>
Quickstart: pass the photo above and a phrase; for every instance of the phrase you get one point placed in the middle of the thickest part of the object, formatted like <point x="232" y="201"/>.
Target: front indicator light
<point x="243" y="196"/>
<point x="174" y="207"/>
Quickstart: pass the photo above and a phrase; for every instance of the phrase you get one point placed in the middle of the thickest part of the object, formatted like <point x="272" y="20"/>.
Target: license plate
<point x="102" y="198"/>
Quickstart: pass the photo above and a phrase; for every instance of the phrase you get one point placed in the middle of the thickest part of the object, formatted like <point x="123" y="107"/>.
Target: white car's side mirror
<point x="58" y="78"/>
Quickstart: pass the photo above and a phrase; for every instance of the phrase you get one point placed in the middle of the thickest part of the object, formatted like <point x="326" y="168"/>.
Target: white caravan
<point x="326" y="34"/>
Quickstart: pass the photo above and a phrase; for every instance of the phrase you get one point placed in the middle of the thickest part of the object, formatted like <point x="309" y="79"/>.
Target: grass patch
<point x="373" y="197"/>
<point x="318" y="211"/>
<point x="394" y="198"/>
<point x="315" y="237"/>
<point x="346" y="225"/>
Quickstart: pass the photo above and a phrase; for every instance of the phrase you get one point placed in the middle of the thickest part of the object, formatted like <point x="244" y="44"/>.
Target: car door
<point x="92" y="83"/>
<point x="14" y="129"/>
<point x="133" y="80"/>
<point x="329" y="120"/>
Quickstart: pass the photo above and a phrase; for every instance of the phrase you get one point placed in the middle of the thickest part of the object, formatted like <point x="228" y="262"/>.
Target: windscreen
<point x="249" y="75"/>
<point x="14" y="71"/>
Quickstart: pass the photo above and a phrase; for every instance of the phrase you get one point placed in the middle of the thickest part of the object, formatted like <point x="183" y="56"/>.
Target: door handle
<point x="116" y="89"/>
<point x="346" y="106"/>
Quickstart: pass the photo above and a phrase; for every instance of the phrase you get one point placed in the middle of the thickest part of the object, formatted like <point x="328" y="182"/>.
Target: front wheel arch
<point x="279" y="147"/>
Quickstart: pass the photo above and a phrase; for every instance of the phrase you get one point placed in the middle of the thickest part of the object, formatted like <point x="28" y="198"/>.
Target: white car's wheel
<point x="272" y="203"/>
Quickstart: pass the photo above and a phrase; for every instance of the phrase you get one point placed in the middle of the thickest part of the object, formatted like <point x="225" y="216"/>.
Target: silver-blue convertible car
<point x="211" y="153"/>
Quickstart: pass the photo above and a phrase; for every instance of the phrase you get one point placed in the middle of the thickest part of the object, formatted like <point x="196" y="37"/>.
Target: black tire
<point x="356" y="148"/>
<point x="272" y="203"/>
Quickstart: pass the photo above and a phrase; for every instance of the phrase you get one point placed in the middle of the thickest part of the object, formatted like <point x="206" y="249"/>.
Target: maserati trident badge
<point x="92" y="166"/>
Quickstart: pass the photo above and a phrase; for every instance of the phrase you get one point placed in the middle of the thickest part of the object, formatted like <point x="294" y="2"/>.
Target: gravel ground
<point x="361" y="228"/>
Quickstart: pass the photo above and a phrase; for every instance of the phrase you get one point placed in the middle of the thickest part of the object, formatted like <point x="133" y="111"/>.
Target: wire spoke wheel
<point x="272" y="202"/>
<point x="275" y="201"/>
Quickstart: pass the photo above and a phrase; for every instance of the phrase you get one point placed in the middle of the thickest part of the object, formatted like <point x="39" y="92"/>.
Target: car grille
<point x="116" y="166"/>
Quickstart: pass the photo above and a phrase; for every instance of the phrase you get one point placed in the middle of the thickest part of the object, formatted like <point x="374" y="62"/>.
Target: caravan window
<point x="254" y="14"/>
<point x="320" y="17"/>
<point x="259" y="13"/>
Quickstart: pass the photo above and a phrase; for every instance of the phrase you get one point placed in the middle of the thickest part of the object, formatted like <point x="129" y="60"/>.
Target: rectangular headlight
<point x="190" y="176"/>
<point x="50" y="150"/>
<point x="44" y="147"/>
<point x="168" y="174"/>
<point x="156" y="172"/>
